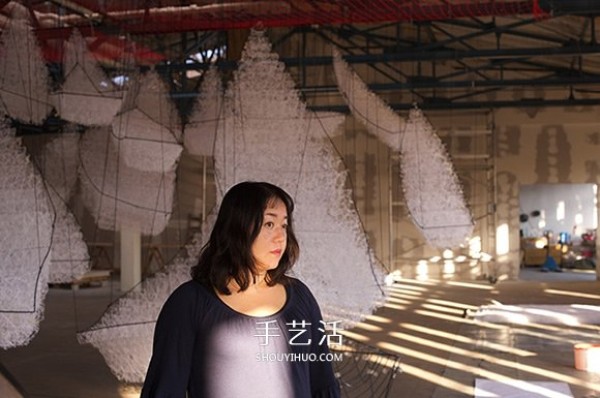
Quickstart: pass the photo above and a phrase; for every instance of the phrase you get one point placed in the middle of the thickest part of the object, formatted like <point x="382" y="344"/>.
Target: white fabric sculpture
<point x="268" y="135"/>
<point x="87" y="96"/>
<point x="146" y="131"/>
<point x="58" y="164"/>
<point x="25" y="236"/>
<point x="24" y="78"/>
<point x="124" y="333"/>
<point x="201" y="129"/>
<point x="118" y="195"/>
<point x="431" y="187"/>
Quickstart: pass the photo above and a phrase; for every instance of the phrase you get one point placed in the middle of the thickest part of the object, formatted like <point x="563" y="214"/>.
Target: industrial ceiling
<point x="441" y="54"/>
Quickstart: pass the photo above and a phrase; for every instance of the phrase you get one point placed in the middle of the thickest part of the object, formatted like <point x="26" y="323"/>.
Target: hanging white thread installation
<point x="432" y="190"/>
<point x="124" y="333"/>
<point x="58" y="164"/>
<point x="24" y="78"/>
<point x="146" y="130"/>
<point x="201" y="129"/>
<point x="87" y="96"/>
<point x="268" y="135"/>
<point x="25" y="235"/>
<point x="379" y="119"/>
<point x="118" y="195"/>
<point x="431" y="187"/>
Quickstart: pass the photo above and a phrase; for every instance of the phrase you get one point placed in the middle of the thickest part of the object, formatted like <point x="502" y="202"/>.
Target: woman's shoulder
<point x="189" y="291"/>
<point x="295" y="283"/>
<point x="302" y="303"/>
<point x="299" y="288"/>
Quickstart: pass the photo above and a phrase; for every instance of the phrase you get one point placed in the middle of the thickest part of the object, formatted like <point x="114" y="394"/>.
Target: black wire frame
<point x="364" y="371"/>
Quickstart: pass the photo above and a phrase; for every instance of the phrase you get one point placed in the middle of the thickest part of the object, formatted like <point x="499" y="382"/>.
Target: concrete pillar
<point x="131" y="258"/>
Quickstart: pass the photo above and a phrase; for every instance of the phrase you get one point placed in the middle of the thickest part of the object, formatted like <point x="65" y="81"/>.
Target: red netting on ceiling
<point x="108" y="23"/>
<point x="141" y="16"/>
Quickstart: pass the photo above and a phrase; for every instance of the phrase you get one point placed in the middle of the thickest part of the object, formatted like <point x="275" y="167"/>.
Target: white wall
<point x="548" y="146"/>
<point x="567" y="208"/>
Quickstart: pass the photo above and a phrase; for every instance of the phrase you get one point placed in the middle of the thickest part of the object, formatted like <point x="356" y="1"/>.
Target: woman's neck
<point x="259" y="299"/>
<point x="257" y="282"/>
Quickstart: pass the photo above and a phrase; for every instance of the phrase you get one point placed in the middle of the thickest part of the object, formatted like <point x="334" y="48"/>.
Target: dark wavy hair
<point x="228" y="252"/>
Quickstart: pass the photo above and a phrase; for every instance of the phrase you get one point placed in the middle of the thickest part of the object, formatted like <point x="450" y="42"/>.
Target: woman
<point x="241" y="327"/>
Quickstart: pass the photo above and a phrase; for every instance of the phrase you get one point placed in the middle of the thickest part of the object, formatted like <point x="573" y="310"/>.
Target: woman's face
<point x="270" y="244"/>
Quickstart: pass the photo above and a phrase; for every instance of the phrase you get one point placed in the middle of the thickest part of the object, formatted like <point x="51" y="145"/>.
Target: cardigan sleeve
<point x="174" y="335"/>
<point x="323" y="382"/>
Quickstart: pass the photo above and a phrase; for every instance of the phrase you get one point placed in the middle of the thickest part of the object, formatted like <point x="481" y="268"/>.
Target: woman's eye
<point x="269" y="224"/>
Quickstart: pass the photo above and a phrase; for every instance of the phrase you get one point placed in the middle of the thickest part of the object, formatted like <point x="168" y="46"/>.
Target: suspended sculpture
<point x="24" y="78"/>
<point x="264" y="132"/>
<point x="146" y="131"/>
<point x="432" y="190"/>
<point x="87" y="96"/>
<point x="367" y="107"/>
<point x="431" y="187"/>
<point x="124" y="333"/>
<point x="118" y="195"/>
<point x="70" y="257"/>
<point x="25" y="236"/>
<point x="268" y="134"/>
<point x="58" y="164"/>
<point x="201" y="129"/>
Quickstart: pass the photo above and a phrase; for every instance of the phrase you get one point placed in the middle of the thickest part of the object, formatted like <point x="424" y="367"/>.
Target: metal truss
<point x="439" y="54"/>
<point x="480" y="68"/>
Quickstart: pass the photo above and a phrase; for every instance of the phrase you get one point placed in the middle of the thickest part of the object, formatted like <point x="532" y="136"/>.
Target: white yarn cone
<point x="268" y="135"/>
<point x="25" y="236"/>
<point x="58" y="164"/>
<point x="201" y="129"/>
<point x="70" y="257"/>
<point x="379" y="119"/>
<point x="432" y="190"/>
<point x="121" y="196"/>
<point x="124" y="333"/>
<point x="87" y="96"/>
<point x="431" y="187"/>
<point x="146" y="130"/>
<point x="24" y="78"/>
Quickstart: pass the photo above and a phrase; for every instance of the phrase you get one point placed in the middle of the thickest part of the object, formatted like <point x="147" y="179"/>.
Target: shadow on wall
<point x="553" y="156"/>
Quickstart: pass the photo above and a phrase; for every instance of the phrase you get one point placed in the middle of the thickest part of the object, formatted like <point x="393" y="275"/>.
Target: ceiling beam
<point x="412" y="55"/>
<point x="469" y="105"/>
<point x="432" y="84"/>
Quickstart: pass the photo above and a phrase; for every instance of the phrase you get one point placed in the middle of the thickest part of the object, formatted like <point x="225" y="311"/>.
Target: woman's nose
<point x="280" y="234"/>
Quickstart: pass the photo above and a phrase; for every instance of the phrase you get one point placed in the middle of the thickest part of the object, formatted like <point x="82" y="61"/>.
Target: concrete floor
<point x="442" y="352"/>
